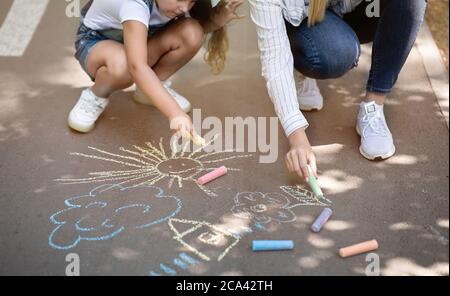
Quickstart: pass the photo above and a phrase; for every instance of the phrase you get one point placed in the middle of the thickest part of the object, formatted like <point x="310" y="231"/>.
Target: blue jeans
<point x="332" y="48"/>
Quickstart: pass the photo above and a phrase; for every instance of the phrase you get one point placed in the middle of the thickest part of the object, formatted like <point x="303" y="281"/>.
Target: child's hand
<point x="182" y="124"/>
<point x="226" y="12"/>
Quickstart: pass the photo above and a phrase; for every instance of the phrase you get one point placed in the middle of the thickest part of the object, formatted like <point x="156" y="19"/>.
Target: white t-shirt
<point x="110" y="14"/>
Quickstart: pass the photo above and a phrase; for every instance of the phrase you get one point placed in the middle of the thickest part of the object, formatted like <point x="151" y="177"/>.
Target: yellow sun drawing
<point x="149" y="165"/>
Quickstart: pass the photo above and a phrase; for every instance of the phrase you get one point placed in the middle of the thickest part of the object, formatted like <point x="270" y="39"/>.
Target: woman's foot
<point x="87" y="110"/>
<point x="141" y="98"/>
<point x="376" y="139"/>
<point x="308" y="93"/>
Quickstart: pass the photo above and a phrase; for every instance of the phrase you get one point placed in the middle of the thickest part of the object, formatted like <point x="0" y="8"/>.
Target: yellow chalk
<point x="197" y="140"/>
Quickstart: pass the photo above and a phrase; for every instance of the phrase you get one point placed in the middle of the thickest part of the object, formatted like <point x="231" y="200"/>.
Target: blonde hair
<point x="218" y="44"/>
<point x="316" y="11"/>
<point x="216" y="55"/>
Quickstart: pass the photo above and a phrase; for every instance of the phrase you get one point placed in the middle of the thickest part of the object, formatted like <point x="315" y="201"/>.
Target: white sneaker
<point x="87" y="110"/>
<point x="376" y="139"/>
<point x="308" y="93"/>
<point x="141" y="98"/>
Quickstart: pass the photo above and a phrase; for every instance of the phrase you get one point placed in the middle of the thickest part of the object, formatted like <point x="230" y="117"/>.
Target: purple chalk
<point x="321" y="220"/>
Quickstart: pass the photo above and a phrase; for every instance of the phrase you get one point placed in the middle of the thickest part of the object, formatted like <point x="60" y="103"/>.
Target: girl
<point x="312" y="36"/>
<point x="122" y="42"/>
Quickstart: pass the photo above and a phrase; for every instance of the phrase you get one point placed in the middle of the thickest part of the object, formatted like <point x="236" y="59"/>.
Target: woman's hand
<point x="225" y="12"/>
<point x="301" y="155"/>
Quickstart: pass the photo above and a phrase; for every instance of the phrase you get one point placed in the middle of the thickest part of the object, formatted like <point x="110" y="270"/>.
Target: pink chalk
<point x="212" y="176"/>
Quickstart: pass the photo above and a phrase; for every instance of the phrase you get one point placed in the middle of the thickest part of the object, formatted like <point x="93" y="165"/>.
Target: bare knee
<point x="118" y="72"/>
<point x="191" y="34"/>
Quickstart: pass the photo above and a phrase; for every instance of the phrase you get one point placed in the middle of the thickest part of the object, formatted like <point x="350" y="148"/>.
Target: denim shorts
<point x="87" y="38"/>
<point x="85" y="41"/>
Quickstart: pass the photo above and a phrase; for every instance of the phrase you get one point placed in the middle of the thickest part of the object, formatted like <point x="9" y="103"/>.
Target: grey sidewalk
<point x="402" y="202"/>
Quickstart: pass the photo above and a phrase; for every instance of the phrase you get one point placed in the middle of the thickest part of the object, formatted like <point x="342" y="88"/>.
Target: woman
<point x="321" y="39"/>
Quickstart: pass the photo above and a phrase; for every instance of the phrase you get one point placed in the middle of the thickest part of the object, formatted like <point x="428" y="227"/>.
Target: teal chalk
<point x="314" y="184"/>
<point x="272" y="245"/>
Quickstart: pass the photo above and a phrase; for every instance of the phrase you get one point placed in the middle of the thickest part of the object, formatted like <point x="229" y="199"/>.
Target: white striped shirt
<point x="276" y="56"/>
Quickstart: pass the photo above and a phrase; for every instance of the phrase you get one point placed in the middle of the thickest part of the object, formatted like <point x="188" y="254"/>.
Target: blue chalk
<point x="321" y="220"/>
<point x="272" y="245"/>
